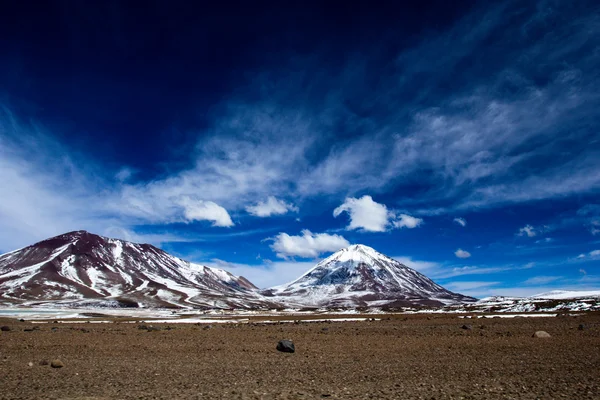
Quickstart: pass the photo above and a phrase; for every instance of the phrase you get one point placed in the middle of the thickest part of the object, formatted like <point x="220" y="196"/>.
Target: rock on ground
<point x="286" y="346"/>
<point x="541" y="334"/>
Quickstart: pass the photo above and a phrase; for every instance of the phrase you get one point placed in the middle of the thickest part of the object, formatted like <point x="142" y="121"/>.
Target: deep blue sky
<point x="260" y="137"/>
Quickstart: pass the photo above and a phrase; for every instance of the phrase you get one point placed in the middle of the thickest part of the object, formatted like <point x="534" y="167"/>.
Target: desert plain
<point x="392" y="356"/>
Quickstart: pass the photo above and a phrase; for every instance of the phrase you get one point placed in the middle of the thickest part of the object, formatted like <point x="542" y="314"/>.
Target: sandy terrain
<point x="414" y="357"/>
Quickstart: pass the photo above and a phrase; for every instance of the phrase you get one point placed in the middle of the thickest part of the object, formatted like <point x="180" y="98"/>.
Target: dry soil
<point x="415" y="357"/>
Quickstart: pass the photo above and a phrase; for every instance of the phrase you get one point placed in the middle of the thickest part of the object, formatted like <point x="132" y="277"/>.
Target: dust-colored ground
<point x="417" y="358"/>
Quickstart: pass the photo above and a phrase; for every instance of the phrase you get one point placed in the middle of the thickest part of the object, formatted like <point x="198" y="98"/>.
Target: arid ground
<point x="403" y="357"/>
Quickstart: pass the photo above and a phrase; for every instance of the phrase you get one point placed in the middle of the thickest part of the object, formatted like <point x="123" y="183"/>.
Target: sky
<point x="259" y="137"/>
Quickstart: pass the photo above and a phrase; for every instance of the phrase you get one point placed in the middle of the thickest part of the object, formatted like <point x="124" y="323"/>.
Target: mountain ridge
<point x="79" y="268"/>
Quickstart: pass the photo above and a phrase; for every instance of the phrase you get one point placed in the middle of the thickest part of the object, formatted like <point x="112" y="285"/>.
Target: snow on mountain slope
<point x="83" y="268"/>
<point x="556" y="300"/>
<point x="360" y="276"/>
<point x="567" y="294"/>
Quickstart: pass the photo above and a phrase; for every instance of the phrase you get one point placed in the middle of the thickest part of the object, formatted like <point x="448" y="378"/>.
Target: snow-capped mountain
<point x="556" y="300"/>
<point x="80" y="268"/>
<point x="359" y="276"/>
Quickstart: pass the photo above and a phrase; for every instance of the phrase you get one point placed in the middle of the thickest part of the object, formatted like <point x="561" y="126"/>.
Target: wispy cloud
<point x="460" y="221"/>
<point x="541" y="280"/>
<point x="272" y="206"/>
<point x="528" y="231"/>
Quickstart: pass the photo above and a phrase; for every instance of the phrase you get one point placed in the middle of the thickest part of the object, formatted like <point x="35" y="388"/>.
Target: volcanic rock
<point x="286" y="346"/>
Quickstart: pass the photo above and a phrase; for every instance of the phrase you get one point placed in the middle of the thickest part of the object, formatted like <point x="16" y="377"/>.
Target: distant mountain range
<point x="83" y="269"/>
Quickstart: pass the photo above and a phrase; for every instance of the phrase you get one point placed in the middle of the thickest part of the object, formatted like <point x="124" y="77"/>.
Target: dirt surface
<point x="415" y="357"/>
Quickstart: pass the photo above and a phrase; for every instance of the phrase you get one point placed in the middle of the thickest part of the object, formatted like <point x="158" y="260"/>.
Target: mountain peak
<point x="356" y="252"/>
<point x="361" y="276"/>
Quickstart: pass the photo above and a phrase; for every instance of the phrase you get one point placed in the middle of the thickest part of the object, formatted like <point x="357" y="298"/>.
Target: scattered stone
<point x="30" y="364"/>
<point x="57" y="364"/>
<point x="208" y="327"/>
<point x="36" y="328"/>
<point x="467" y="327"/>
<point x="54" y="329"/>
<point x="5" y="328"/>
<point x="153" y="328"/>
<point x="21" y="320"/>
<point x="541" y="334"/>
<point x="286" y="346"/>
<point x="44" y="362"/>
<point x="28" y="330"/>
<point x="581" y="327"/>
<point x="324" y="329"/>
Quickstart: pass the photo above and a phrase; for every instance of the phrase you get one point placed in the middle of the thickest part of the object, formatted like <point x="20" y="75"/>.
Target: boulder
<point x="56" y="364"/>
<point x="5" y="328"/>
<point x="286" y="346"/>
<point x="541" y="334"/>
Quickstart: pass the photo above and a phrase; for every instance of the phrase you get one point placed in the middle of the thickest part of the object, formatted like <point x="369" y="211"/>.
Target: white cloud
<point x="460" y="253"/>
<point x="461" y="221"/>
<point x="364" y="214"/>
<point x="201" y="210"/>
<point x="406" y="221"/>
<point x="528" y="231"/>
<point x="595" y="253"/>
<point x="370" y="216"/>
<point x="307" y="245"/>
<point x="272" y="206"/>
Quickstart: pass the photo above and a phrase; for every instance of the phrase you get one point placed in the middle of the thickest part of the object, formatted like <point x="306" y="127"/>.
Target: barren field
<point x="398" y="357"/>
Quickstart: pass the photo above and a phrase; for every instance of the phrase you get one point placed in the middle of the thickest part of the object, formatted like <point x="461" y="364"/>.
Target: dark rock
<point x="5" y="328"/>
<point x="581" y="327"/>
<point x="21" y="320"/>
<point x="467" y="327"/>
<point x="44" y="362"/>
<point x="57" y="364"/>
<point x="286" y="346"/>
<point x="28" y="330"/>
<point x="208" y="327"/>
<point x="143" y="327"/>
